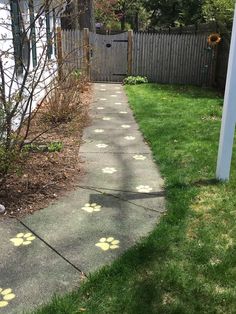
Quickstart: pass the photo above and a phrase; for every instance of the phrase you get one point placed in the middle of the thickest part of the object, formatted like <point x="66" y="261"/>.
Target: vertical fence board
<point x="159" y="69"/>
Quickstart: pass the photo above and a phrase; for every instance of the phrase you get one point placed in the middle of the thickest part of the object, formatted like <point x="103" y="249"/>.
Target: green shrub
<point x="134" y="80"/>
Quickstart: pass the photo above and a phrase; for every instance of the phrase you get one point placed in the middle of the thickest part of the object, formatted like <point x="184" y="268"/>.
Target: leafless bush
<point x="63" y="102"/>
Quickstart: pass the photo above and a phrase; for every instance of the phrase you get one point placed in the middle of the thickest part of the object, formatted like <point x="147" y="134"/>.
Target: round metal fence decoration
<point x="214" y="39"/>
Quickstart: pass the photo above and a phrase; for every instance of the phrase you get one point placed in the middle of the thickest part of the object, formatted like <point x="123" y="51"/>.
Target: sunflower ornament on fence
<point x="214" y="39"/>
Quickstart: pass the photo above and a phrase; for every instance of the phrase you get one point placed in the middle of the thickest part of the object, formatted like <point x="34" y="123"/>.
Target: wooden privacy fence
<point x="174" y="58"/>
<point x="72" y="45"/>
<point x="163" y="58"/>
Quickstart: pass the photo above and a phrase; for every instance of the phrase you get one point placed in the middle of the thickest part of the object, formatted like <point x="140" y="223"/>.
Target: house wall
<point x="7" y="52"/>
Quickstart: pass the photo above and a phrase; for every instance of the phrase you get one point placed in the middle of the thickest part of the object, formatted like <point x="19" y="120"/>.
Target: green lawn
<point x="188" y="263"/>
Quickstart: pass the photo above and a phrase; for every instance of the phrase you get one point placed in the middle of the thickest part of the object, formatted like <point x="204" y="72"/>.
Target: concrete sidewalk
<point x="118" y="201"/>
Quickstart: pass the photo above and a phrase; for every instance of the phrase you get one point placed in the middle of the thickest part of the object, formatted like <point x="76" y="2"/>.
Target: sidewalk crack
<point x="52" y="248"/>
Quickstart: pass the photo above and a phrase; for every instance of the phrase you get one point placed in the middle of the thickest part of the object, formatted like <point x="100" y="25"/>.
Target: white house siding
<point x="7" y="51"/>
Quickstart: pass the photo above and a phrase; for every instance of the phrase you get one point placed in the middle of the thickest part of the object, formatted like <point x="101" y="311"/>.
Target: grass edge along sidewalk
<point x="187" y="264"/>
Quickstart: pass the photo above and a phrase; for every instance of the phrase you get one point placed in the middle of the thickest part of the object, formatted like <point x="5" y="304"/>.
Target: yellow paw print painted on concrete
<point x="144" y="188"/>
<point x="106" y="118"/>
<point x="109" y="170"/>
<point x="139" y="157"/>
<point x="108" y="244"/>
<point x="99" y="131"/>
<point x="23" y="239"/>
<point x="129" y="138"/>
<point x="90" y="208"/>
<point x="6" y="295"/>
<point x="101" y="145"/>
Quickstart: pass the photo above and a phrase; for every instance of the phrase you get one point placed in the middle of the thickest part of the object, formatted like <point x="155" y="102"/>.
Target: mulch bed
<point x="43" y="177"/>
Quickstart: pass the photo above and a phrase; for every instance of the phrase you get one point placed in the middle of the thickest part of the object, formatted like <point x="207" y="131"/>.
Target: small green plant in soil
<point x="9" y="159"/>
<point x="77" y="74"/>
<point x="40" y="148"/>
<point x="55" y="147"/>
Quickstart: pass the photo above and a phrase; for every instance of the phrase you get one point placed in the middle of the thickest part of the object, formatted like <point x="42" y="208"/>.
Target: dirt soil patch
<point x="43" y="177"/>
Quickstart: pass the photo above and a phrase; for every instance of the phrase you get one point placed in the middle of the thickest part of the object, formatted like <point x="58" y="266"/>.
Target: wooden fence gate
<point x="109" y="57"/>
<point x="163" y="58"/>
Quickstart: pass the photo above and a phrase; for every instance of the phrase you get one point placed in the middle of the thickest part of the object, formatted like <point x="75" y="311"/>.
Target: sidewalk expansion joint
<point x="52" y="248"/>
<point x="159" y="194"/>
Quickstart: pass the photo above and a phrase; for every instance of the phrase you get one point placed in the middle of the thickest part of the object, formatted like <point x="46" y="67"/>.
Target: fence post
<point x="130" y="51"/>
<point x="59" y="52"/>
<point x="86" y="59"/>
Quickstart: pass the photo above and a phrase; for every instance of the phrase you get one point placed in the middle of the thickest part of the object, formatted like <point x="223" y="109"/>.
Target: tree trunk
<point x="136" y="21"/>
<point x="79" y="14"/>
<point x="70" y="17"/>
<point x="86" y="14"/>
<point x="122" y="22"/>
